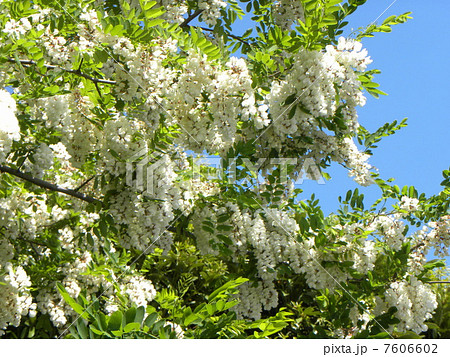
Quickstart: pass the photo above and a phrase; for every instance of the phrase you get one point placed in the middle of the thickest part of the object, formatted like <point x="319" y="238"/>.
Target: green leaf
<point x="73" y="304"/>
<point x="96" y="331"/>
<point x="190" y="319"/>
<point x="151" y="319"/>
<point x="130" y="315"/>
<point x="118" y="333"/>
<point x="115" y="321"/>
<point x="432" y="326"/>
<point x="155" y="22"/>
<point x="82" y="329"/>
<point x="229" y="285"/>
<point x="154" y="13"/>
<point x="132" y="326"/>
<point x="140" y="312"/>
<point x="148" y="5"/>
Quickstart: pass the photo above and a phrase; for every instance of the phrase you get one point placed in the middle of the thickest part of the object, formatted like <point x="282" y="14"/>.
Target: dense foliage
<point x="112" y="226"/>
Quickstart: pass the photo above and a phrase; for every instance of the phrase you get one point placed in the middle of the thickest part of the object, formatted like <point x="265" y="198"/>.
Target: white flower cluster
<point x="254" y="298"/>
<point x="147" y="205"/>
<point x="287" y="12"/>
<point x="271" y="235"/>
<point x="50" y="302"/>
<point x="9" y="126"/>
<point x="18" y="28"/>
<point x="433" y="237"/>
<point x="208" y="101"/>
<point x="138" y="290"/>
<point x="308" y="95"/>
<point x="34" y="213"/>
<point x="439" y="237"/>
<point x="409" y="204"/>
<point x="357" y="161"/>
<point x="69" y="114"/>
<point x="391" y="228"/>
<point x="120" y="136"/>
<point x="146" y="222"/>
<point x="56" y="49"/>
<point x="414" y="301"/>
<point x="42" y="160"/>
<point x="358" y="317"/>
<point x="211" y="10"/>
<point x="15" y="297"/>
<point x="175" y="10"/>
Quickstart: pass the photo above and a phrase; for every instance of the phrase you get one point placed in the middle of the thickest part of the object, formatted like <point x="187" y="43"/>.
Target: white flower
<point x="9" y="126"/>
<point x="8" y="120"/>
<point x="211" y="10"/>
<point x="287" y="12"/>
<point x="409" y="204"/>
<point x="139" y="290"/>
<point x="15" y="298"/>
<point x="43" y="160"/>
<point x="415" y="303"/>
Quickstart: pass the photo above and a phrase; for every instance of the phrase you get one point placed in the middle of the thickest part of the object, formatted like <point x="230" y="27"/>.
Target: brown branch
<point x="84" y="184"/>
<point x="185" y="23"/>
<point x="438" y="282"/>
<point x="47" y="185"/>
<point x="34" y="243"/>
<point x="229" y="35"/>
<point x="417" y="246"/>
<point x="73" y="71"/>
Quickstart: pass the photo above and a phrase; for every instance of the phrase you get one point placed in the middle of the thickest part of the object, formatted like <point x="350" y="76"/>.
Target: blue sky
<point x="412" y="61"/>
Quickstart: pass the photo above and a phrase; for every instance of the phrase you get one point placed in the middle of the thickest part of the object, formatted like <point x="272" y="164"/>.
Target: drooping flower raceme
<point x="9" y="126"/>
<point x="414" y="301"/>
<point x="287" y="12"/>
<point x="15" y="297"/>
<point x="306" y="98"/>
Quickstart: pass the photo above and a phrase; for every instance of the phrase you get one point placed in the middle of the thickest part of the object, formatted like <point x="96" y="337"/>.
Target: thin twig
<point x="73" y="71"/>
<point x="185" y="23"/>
<point x="417" y="246"/>
<point x="229" y="35"/>
<point x="439" y="282"/>
<point x="35" y="243"/>
<point x="84" y="184"/>
<point x="47" y="185"/>
<point x="98" y="89"/>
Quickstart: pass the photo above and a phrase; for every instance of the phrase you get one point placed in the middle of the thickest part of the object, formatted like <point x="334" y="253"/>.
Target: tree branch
<point x="47" y="185"/>
<point x="417" y="246"/>
<point x="185" y="23"/>
<point x="73" y="71"/>
<point x="229" y="35"/>
<point x="84" y="184"/>
<point x="439" y="282"/>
